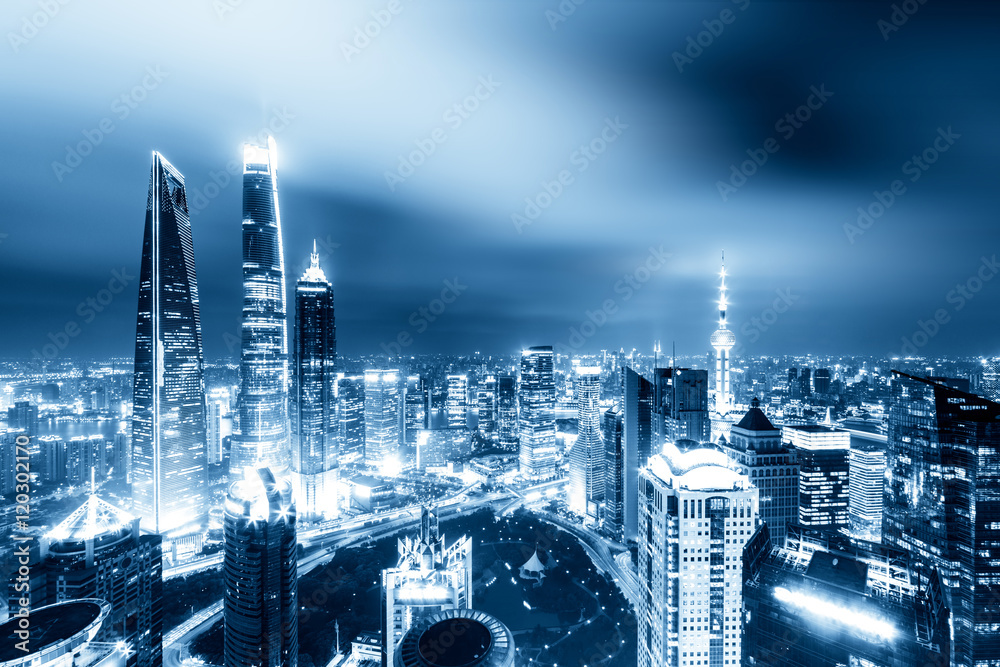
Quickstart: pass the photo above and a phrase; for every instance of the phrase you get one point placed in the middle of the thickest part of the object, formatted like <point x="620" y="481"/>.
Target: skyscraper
<point x="214" y="439"/>
<point x="756" y="449"/>
<point x="680" y="405"/>
<point x="487" y="406"/>
<point x="98" y="552"/>
<point x="262" y="403"/>
<point x="382" y="419"/>
<point x="415" y="408"/>
<point x="695" y="516"/>
<point x="637" y="435"/>
<point x="866" y="482"/>
<point x="457" y="402"/>
<point x="614" y="461"/>
<point x="507" y="425"/>
<point x="23" y="416"/>
<point x="315" y="429"/>
<point x="823" y="453"/>
<point x="942" y="503"/>
<point x="822" y="380"/>
<point x="351" y="410"/>
<point x="586" y="459"/>
<point x="723" y="340"/>
<point x="260" y="565"/>
<point x="429" y="578"/>
<point x="990" y="387"/>
<point x="169" y="481"/>
<point x="537" y="419"/>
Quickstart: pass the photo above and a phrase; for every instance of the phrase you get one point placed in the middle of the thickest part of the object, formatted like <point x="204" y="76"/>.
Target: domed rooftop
<point x="755" y="419"/>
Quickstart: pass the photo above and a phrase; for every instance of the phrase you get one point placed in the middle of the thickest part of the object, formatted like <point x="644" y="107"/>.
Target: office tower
<point x="415" y="408"/>
<point x="52" y="459"/>
<point x="756" y="449"/>
<point x="614" y="462"/>
<point x="169" y="481"/>
<point x="8" y="461"/>
<point x="382" y="408"/>
<point x="823" y="453"/>
<point x="990" y="387"/>
<point x="214" y="441"/>
<point x="823" y="600"/>
<point x="637" y="433"/>
<point x="866" y="486"/>
<point x="260" y="569"/>
<point x="262" y="404"/>
<point x="23" y="416"/>
<point x="805" y="381"/>
<point x="696" y="513"/>
<point x="723" y="340"/>
<point x="457" y="637"/>
<point x="507" y="424"/>
<point x="351" y="410"/>
<point x="457" y="403"/>
<point x="822" y="380"/>
<point x="119" y="457"/>
<point x="680" y="405"/>
<point x="98" y="552"/>
<point x="84" y="454"/>
<point x="315" y="429"/>
<point x="429" y="578"/>
<point x="60" y="635"/>
<point x="793" y="376"/>
<point x="487" y="406"/>
<point x="537" y="419"/>
<point x="586" y="459"/>
<point x="942" y="500"/>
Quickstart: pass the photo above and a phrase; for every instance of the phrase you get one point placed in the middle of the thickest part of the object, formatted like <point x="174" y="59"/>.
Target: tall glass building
<point x="382" y="419"/>
<point x="487" y="406"/>
<point x="942" y="503"/>
<point x="351" y="411"/>
<point x="315" y="430"/>
<point x="538" y="451"/>
<point x="457" y="402"/>
<point x="586" y="459"/>
<point x="614" y="460"/>
<point x="262" y="405"/>
<point x="637" y="434"/>
<point x="824" y="457"/>
<point x="507" y="427"/>
<point x="169" y="484"/>
<point x="415" y="405"/>
<point x="260" y="564"/>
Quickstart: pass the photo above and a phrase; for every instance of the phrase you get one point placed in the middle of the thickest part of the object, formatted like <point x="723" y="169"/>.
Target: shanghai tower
<point x="168" y="420"/>
<point x="262" y="407"/>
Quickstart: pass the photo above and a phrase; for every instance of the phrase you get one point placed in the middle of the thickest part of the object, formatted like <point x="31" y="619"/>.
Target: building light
<point x="856" y="620"/>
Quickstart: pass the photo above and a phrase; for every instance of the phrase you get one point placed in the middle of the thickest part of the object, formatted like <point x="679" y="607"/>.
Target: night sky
<point x="609" y="106"/>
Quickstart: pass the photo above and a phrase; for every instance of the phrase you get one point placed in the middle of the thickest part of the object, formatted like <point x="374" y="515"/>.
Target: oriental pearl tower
<point x="723" y="340"/>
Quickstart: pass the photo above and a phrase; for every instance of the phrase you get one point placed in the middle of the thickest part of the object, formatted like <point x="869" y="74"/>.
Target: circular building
<point x="59" y="635"/>
<point x="457" y="638"/>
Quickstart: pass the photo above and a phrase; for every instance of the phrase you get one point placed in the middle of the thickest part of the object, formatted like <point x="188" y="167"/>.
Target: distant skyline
<point x="409" y="157"/>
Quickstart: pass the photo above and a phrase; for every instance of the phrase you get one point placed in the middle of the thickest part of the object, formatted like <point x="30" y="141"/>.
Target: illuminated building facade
<point x="63" y="635"/>
<point x="429" y="578"/>
<point x="586" y="459"/>
<point x="457" y="402"/>
<point x="537" y="419"/>
<point x="723" y="340"/>
<point x="23" y="416"/>
<point x="214" y="439"/>
<point x="260" y="565"/>
<point x="614" y="461"/>
<point x="867" y="481"/>
<point x="169" y="479"/>
<point x="680" y="405"/>
<point x="351" y="413"/>
<point x="756" y="449"/>
<point x="637" y="436"/>
<point x="942" y="503"/>
<point x="487" y="406"/>
<point x="457" y="637"/>
<point x="99" y="552"/>
<point x="990" y="386"/>
<point x="823" y="600"/>
<point x="696" y="514"/>
<point x="507" y="424"/>
<point x="415" y="406"/>
<point x="263" y="398"/>
<point x="823" y="453"/>
<point x="382" y="418"/>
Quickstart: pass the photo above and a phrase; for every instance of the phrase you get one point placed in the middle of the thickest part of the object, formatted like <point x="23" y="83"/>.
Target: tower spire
<point x="723" y="303"/>
<point x="314" y="256"/>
